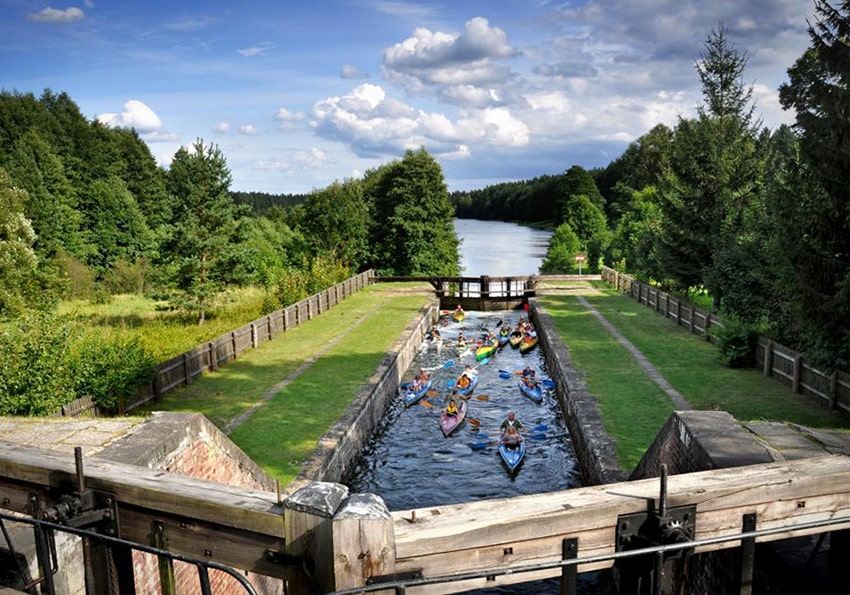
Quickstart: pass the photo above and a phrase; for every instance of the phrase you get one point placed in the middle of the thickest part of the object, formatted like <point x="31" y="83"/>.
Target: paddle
<point x="548" y="383"/>
<point x="448" y="364"/>
<point x="484" y="361"/>
<point x="543" y="436"/>
<point x="504" y="375"/>
<point x="482" y="397"/>
<point x="427" y="404"/>
<point x="405" y="385"/>
<point x="450" y="382"/>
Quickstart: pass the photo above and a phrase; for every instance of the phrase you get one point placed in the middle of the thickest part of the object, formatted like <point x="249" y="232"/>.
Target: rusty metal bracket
<point x="80" y="508"/>
<point x="394" y="577"/>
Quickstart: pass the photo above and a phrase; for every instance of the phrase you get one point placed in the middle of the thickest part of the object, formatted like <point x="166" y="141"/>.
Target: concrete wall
<point x="341" y="446"/>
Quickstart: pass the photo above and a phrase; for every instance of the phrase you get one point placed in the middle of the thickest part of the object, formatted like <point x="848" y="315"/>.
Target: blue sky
<point x="298" y="95"/>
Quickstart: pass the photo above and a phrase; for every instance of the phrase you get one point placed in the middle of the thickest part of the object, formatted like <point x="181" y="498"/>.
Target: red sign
<point x="579" y="257"/>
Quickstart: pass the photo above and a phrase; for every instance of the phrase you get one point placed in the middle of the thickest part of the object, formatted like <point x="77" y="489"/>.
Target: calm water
<point x="500" y="249"/>
<point x="410" y="464"/>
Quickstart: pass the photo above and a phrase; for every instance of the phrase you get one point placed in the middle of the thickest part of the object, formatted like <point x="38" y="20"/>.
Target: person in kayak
<point x="511" y="422"/>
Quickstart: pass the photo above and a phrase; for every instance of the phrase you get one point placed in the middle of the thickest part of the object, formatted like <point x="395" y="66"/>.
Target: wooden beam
<point x="529" y="529"/>
<point x="204" y="519"/>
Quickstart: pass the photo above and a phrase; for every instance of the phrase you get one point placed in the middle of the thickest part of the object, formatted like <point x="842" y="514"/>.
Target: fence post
<point x="213" y="355"/>
<point x="678" y="311"/>
<point x="254" y="341"/>
<point x="833" y="390"/>
<point x="363" y="541"/>
<point x="187" y="377"/>
<point x="308" y="534"/>
<point x="271" y="326"/>
<point x="234" y="344"/>
<point x="795" y="379"/>
<point x="707" y="326"/>
<point x="691" y="318"/>
<point x="768" y="359"/>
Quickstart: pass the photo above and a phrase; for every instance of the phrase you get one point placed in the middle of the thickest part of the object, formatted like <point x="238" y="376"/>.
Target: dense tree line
<point x="758" y="219"/>
<point x="85" y="212"/>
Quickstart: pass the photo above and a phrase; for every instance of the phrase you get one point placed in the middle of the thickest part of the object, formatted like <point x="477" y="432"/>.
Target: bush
<point x="110" y="370"/>
<point x="736" y="341"/>
<point x="34" y="377"/>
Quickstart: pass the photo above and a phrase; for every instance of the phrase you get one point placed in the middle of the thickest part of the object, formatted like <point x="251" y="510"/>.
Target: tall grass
<point x="163" y="332"/>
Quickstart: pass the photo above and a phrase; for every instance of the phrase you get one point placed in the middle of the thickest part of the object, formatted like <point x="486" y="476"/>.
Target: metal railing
<point x="570" y="561"/>
<point x="48" y="560"/>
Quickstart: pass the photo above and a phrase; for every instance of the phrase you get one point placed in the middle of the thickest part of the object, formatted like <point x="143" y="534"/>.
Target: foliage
<point x="18" y="263"/>
<point x="634" y="239"/>
<point x="313" y="276"/>
<point x="336" y="220"/>
<point x="736" y="342"/>
<point x="35" y="378"/>
<point x="563" y="247"/>
<point x="110" y="370"/>
<point x="714" y="173"/>
<point x="812" y="210"/>
<point x="411" y="231"/>
<point x="198" y="249"/>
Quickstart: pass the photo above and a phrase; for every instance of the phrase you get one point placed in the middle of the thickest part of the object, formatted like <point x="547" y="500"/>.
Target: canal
<point x="408" y="461"/>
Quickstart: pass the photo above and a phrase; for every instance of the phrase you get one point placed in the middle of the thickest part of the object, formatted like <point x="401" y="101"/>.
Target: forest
<point x="757" y="220"/>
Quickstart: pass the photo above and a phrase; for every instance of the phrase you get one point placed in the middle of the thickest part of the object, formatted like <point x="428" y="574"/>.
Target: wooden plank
<point x="210" y="501"/>
<point x="476" y="535"/>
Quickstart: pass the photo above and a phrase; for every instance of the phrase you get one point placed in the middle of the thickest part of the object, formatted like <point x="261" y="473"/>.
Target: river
<point x="410" y="464"/>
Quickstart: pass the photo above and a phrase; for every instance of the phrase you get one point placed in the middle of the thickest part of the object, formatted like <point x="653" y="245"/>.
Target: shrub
<point x="110" y="370"/>
<point x="34" y="377"/>
<point x="736" y="342"/>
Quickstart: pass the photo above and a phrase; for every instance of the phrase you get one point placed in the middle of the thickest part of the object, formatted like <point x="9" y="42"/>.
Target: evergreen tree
<point x="813" y="211"/>
<point x="412" y="230"/>
<point x="198" y="251"/>
<point x="714" y="174"/>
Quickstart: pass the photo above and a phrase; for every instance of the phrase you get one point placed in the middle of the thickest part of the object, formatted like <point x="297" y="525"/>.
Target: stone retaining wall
<point x="343" y="444"/>
<point x="594" y="447"/>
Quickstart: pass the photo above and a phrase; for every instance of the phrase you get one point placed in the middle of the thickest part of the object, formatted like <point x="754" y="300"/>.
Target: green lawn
<point x="634" y="409"/>
<point x="352" y="338"/>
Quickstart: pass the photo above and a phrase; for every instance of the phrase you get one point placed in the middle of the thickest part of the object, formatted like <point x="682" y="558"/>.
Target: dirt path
<point x="651" y="371"/>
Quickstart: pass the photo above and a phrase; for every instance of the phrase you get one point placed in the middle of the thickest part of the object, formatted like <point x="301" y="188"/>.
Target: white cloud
<point x="257" y="50"/>
<point x="438" y="63"/>
<point x="136" y="115"/>
<point x="222" y="128"/>
<point x="349" y="71"/>
<point x="273" y="166"/>
<point x="248" y="129"/>
<point x="373" y="124"/>
<point x="55" y="15"/>
<point x="315" y="158"/>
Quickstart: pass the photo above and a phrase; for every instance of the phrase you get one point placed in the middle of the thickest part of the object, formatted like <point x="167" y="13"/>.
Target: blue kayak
<point x="534" y="393"/>
<point x="512" y="456"/>
<point x="466" y="391"/>
<point x="412" y="397"/>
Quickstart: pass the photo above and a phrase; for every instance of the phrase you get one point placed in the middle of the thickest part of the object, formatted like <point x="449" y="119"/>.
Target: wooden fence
<point x="775" y="360"/>
<point x="184" y="368"/>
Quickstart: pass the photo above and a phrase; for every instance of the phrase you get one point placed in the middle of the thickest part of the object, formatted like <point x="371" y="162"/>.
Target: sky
<point x="297" y="95"/>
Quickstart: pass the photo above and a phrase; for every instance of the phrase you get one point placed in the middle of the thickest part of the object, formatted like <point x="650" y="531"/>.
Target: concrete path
<point x="651" y="371"/>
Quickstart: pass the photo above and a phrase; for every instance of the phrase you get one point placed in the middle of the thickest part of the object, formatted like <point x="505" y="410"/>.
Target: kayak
<point x="534" y="393"/>
<point x="449" y="423"/>
<point x="528" y="343"/>
<point x="503" y="339"/>
<point x="466" y="391"/>
<point x="485" y="351"/>
<point x="515" y="339"/>
<point x="512" y="456"/>
<point x="412" y="397"/>
<point x="458" y="315"/>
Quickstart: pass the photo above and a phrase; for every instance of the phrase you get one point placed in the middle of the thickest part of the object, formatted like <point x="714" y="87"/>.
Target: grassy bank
<point x="635" y="409"/>
<point x="348" y="342"/>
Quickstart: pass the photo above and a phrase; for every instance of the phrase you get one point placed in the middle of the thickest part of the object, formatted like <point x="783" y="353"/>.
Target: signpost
<point x="579" y="258"/>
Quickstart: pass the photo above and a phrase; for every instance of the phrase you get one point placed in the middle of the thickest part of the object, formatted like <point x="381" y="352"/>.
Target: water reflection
<point x="500" y="249"/>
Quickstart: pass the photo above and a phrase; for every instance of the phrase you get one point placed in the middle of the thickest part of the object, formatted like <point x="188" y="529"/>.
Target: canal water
<point x="408" y="461"/>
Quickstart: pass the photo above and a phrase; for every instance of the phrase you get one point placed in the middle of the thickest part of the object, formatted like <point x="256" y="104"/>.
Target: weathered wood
<point x="236" y="525"/>
<point x="458" y="538"/>
<point x="363" y="538"/>
<point x="308" y="531"/>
